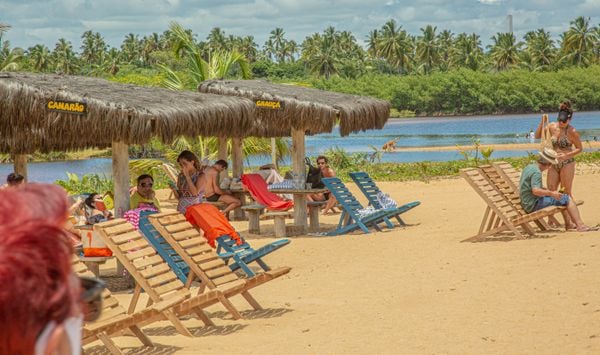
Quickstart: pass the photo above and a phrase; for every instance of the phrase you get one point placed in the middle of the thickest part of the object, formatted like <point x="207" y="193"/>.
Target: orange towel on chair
<point x="260" y="192"/>
<point x="212" y="222"/>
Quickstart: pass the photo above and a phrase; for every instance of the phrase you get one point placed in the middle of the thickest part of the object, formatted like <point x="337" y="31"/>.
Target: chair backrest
<point x="260" y="192"/>
<point x="510" y="174"/>
<point x="193" y="248"/>
<point x="110" y="305"/>
<point x="343" y="196"/>
<point x="489" y="193"/>
<point x="367" y="186"/>
<point x="141" y="260"/>
<point x="164" y="249"/>
<point x="504" y="186"/>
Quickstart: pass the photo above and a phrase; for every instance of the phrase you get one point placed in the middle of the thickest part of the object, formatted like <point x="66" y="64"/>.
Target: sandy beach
<point x="416" y="289"/>
<point x="510" y="146"/>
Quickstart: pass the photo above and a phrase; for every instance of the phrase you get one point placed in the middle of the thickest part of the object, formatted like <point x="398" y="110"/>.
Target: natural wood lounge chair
<point x="203" y="261"/>
<point x="369" y="188"/>
<point x="153" y="275"/>
<point x="114" y="318"/>
<point x="500" y="214"/>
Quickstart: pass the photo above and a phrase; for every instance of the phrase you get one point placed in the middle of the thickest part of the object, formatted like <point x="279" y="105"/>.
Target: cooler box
<point x="93" y="245"/>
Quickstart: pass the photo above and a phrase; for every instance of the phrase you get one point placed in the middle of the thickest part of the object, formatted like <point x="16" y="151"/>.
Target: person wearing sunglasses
<point x="144" y="196"/>
<point x="567" y="144"/>
<point x="42" y="303"/>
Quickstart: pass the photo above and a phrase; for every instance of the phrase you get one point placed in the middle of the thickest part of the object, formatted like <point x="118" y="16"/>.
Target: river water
<point x="421" y="132"/>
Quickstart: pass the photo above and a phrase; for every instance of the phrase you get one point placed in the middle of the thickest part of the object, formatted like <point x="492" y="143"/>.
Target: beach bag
<point x="546" y="139"/>
<point x="385" y="201"/>
<point x="314" y="175"/>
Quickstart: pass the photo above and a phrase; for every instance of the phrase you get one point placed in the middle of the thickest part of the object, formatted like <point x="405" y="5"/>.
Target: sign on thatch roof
<point x="113" y="112"/>
<point x="315" y="111"/>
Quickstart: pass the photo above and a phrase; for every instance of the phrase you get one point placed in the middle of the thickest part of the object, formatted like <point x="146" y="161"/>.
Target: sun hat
<point x="548" y="155"/>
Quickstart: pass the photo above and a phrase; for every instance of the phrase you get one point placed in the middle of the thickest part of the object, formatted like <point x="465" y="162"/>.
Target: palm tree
<point x="92" y="48"/>
<point x="504" y="51"/>
<point x="445" y="42"/>
<point x="40" y="55"/>
<point x="131" y="48"/>
<point x="396" y="46"/>
<point x="325" y="61"/>
<point x="372" y="43"/>
<point x="64" y="57"/>
<point x="290" y="50"/>
<point x="578" y="42"/>
<point x="428" y="49"/>
<point x="540" y="52"/>
<point x="467" y="52"/>
<point x="278" y="42"/>
<point x="8" y="57"/>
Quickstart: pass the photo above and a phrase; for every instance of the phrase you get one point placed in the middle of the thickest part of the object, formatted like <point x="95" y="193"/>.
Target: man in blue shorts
<point x="535" y="197"/>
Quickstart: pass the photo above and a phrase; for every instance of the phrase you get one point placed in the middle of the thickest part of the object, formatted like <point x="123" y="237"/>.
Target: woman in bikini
<point x="567" y="144"/>
<point x="190" y="182"/>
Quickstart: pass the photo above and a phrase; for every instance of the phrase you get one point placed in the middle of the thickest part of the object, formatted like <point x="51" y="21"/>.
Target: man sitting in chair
<point x="213" y="192"/>
<point x="535" y="197"/>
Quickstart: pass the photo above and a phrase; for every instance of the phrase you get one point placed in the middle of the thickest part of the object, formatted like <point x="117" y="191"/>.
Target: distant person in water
<point x="390" y="146"/>
<point x="213" y="190"/>
<point x="190" y="181"/>
<point x="567" y="144"/>
<point x="13" y="180"/>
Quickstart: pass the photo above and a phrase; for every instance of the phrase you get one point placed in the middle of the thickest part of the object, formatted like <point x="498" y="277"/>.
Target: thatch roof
<point x="315" y="111"/>
<point x="115" y="112"/>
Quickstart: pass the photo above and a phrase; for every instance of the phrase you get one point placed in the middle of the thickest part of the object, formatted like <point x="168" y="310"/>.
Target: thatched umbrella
<point x="288" y="110"/>
<point x="42" y="112"/>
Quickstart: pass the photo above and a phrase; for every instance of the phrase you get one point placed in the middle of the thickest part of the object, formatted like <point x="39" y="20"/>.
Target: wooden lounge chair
<point x="500" y="215"/>
<point x="350" y="219"/>
<point x="369" y="188"/>
<point x="114" y="318"/>
<point x="203" y="261"/>
<point x="231" y="246"/>
<point x="152" y="274"/>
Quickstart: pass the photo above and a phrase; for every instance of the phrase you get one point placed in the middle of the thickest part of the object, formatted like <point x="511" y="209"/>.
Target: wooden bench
<point x="254" y="212"/>
<point x="279" y="220"/>
<point x="314" y="207"/>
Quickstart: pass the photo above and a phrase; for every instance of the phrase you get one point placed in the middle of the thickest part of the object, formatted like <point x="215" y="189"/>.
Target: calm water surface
<point x="422" y="132"/>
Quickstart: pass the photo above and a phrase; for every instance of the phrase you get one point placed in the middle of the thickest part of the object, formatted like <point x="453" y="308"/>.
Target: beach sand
<point x="510" y="146"/>
<point x="413" y="290"/>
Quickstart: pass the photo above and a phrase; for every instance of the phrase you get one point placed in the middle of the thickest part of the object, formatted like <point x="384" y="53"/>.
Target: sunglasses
<point x="91" y="297"/>
<point x="149" y="184"/>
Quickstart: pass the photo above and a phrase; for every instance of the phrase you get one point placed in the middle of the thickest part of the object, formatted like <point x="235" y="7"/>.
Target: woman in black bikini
<point x="567" y="144"/>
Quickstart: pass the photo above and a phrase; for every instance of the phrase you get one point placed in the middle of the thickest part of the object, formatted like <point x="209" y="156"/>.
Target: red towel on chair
<point x="212" y="222"/>
<point x="259" y="191"/>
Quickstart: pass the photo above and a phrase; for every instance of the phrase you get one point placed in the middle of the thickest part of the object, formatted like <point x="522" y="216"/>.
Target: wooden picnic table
<point x="300" y="210"/>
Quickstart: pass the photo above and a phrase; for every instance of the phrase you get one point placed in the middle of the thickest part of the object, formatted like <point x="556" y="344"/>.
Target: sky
<point x="35" y="21"/>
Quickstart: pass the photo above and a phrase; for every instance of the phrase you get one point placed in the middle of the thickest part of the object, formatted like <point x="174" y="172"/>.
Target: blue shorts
<point x="550" y="201"/>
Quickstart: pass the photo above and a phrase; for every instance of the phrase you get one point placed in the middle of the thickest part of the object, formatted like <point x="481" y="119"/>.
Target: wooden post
<point x="298" y="152"/>
<point x="222" y="154"/>
<point x="20" y="164"/>
<point x="274" y="152"/>
<point x="237" y="169"/>
<point x="120" y="174"/>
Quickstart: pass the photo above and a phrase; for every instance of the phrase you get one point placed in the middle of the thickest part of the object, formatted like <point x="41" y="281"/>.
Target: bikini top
<point x="562" y="142"/>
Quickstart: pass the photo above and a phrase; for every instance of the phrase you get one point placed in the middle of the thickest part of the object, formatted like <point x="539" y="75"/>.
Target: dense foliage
<point x="465" y="91"/>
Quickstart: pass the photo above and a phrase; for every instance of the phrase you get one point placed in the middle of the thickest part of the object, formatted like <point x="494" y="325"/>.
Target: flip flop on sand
<point x="587" y="229"/>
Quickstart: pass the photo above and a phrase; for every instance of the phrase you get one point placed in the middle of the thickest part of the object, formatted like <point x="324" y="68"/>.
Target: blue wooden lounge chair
<point x="350" y="219"/>
<point x="370" y="190"/>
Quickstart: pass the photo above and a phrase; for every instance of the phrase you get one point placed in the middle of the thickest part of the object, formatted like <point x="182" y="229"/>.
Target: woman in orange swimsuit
<point x="567" y="144"/>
